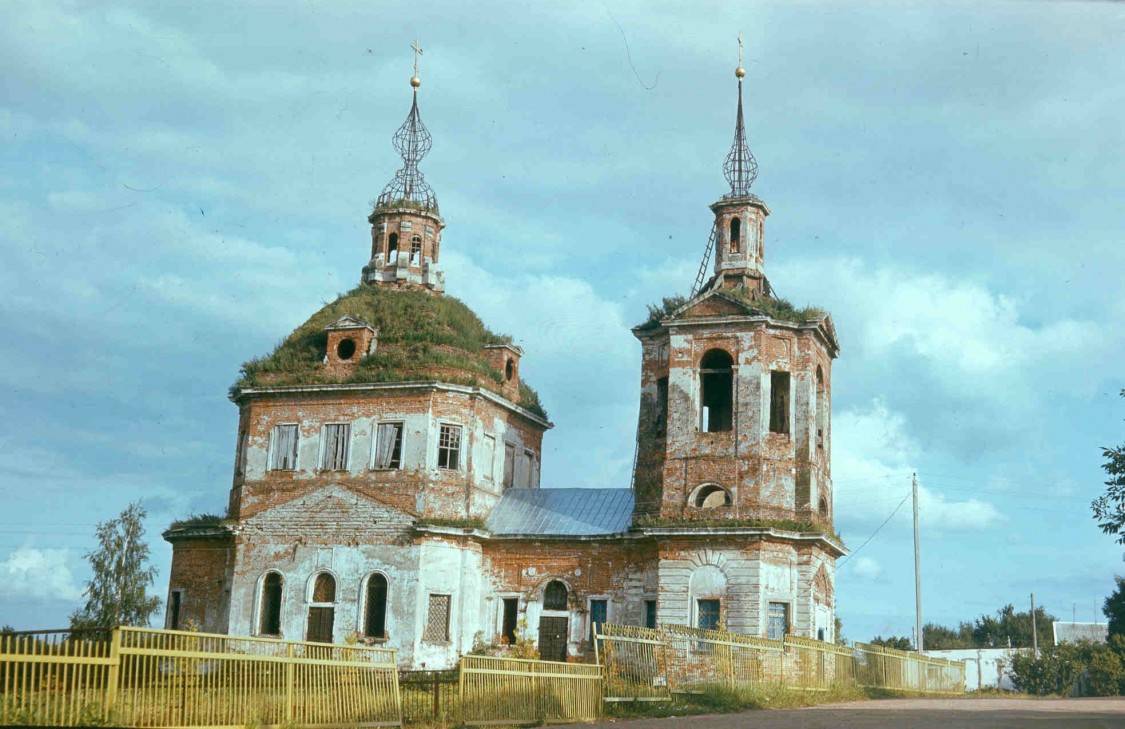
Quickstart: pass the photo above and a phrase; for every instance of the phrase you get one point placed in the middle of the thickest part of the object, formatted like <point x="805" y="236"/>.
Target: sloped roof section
<point x="562" y="512"/>
<point x="1066" y="632"/>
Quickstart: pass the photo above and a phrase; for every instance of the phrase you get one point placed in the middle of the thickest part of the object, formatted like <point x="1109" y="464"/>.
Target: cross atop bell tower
<point x="740" y="215"/>
<point x="405" y="222"/>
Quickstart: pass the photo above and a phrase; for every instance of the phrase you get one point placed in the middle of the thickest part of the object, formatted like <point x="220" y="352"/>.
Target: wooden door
<point x="552" y="638"/>
<point x="320" y="624"/>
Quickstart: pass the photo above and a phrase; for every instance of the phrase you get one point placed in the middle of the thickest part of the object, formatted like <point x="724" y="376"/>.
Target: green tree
<point x="939" y="637"/>
<point x="1109" y="509"/>
<point x="116" y="592"/>
<point x="1009" y="625"/>
<point x="839" y="631"/>
<point x="1114" y="608"/>
<point x="902" y="644"/>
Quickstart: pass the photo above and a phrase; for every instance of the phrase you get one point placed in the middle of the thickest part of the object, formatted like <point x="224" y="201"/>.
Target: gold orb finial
<point x="415" y="81"/>
<point x="740" y="72"/>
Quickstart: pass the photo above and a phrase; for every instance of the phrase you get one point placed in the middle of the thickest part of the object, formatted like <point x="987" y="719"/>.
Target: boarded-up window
<point x="388" y="446"/>
<point x="510" y="620"/>
<point x="716" y="382"/>
<point x="321" y="621"/>
<point x="509" y="465"/>
<point x="449" y="447"/>
<point x="779" y="402"/>
<point x="270" y="619"/>
<point x="599" y="613"/>
<point x="707" y="614"/>
<point x="324" y="589"/>
<point x="487" y="457"/>
<point x="523" y="469"/>
<point x="375" y="609"/>
<point x="554" y="597"/>
<point x="334" y="455"/>
<point x="283" y="448"/>
<point x="437" y="619"/>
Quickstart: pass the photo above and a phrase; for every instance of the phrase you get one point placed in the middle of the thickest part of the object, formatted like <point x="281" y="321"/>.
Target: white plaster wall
<point x="984" y="667"/>
<point x="448" y="569"/>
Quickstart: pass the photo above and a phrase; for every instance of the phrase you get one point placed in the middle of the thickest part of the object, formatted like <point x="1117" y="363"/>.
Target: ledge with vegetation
<point x="421" y="337"/>
<point x="786" y="525"/>
<point x="775" y="308"/>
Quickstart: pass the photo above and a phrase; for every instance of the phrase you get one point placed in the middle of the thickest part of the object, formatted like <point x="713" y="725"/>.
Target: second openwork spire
<point x="740" y="167"/>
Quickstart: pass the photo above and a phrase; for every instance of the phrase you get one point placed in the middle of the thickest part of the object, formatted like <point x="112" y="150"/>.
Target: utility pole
<point x="917" y="570"/>
<point x="1034" y="632"/>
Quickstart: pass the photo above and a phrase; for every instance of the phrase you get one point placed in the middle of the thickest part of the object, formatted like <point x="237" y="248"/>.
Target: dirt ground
<point x="912" y="714"/>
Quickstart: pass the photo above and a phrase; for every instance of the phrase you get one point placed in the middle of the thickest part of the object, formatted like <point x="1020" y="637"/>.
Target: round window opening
<point x="345" y="349"/>
<point x="509" y="369"/>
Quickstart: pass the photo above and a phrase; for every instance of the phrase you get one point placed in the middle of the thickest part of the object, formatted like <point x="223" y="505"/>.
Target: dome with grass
<point x="422" y="338"/>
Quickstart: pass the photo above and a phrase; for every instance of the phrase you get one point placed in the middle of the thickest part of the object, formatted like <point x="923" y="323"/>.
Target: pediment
<point x="331" y="513"/>
<point x="713" y="303"/>
<point x="349" y="322"/>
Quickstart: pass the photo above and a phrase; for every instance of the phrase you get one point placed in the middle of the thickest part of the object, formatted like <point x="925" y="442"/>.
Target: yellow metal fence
<point x="139" y="677"/>
<point x="506" y="691"/>
<point x="650" y="664"/>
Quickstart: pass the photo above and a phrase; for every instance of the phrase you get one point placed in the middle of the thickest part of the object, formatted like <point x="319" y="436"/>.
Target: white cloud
<point x="38" y="574"/>
<point x="866" y="568"/>
<point x="873" y="457"/>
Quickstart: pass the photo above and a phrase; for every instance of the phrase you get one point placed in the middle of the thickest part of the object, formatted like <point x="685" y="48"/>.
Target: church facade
<point x="386" y="481"/>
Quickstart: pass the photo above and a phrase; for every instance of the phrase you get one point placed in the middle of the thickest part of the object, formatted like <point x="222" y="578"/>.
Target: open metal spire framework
<point x="412" y="141"/>
<point x="740" y="168"/>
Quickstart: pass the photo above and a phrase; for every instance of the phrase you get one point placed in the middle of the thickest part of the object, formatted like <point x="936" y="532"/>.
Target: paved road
<point x="913" y="714"/>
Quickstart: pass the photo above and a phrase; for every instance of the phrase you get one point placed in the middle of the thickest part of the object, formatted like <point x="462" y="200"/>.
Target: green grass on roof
<point x="421" y="337"/>
<point x="775" y="308"/>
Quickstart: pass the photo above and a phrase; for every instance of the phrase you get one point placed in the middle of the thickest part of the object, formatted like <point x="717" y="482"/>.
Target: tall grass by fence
<point x="516" y="691"/>
<point x="139" y="677"/>
<point x="650" y="664"/>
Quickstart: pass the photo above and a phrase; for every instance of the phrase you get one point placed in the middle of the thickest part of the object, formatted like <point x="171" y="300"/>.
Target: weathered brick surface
<point x="202" y="569"/>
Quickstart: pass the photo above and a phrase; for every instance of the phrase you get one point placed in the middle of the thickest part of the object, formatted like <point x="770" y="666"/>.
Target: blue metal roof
<point x="562" y="512"/>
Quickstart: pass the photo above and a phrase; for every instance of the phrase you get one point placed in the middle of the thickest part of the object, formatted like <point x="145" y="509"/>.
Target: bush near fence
<point x="650" y="664"/>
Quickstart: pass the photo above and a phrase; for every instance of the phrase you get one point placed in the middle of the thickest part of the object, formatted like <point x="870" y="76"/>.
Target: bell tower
<point x="405" y="221"/>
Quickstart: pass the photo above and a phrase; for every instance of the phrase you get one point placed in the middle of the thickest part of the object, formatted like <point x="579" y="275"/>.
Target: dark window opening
<point x="174" y="610"/>
<point x="599" y="613"/>
<point x="324" y="589"/>
<point x="707" y="614"/>
<point x="661" y="407"/>
<point x="735" y="234"/>
<point x="270" y="623"/>
<point x="346" y="348"/>
<point x="823" y="507"/>
<point x="321" y="621"/>
<point x="711" y="496"/>
<point x="511" y="620"/>
<point x="388" y="446"/>
<point x="650" y="613"/>
<point x="510" y="369"/>
<point x="449" y="447"/>
<point x="778" y="623"/>
<point x="375" y="611"/>
<point x="509" y="465"/>
<point x="821" y="408"/>
<point x="392" y="247"/>
<point x="716" y="375"/>
<point x="554" y="597"/>
<point x="820" y="634"/>
<point x="779" y="402"/>
<point x="240" y="457"/>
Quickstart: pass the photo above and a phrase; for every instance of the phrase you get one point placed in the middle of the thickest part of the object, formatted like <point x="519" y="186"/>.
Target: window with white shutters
<point x="388" y="446"/>
<point x="283" y="448"/>
<point x="334" y="454"/>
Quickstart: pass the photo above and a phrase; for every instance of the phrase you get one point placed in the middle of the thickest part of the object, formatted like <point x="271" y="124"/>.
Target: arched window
<point x="823" y="508"/>
<point x="716" y="383"/>
<point x="416" y="250"/>
<point x="510" y="369"/>
<point x="735" y="234"/>
<point x="554" y="597"/>
<point x="269" y="621"/>
<point x="392" y="247"/>
<point x="821" y="408"/>
<point x="375" y="607"/>
<point x="711" y="497"/>
<point x="322" y="611"/>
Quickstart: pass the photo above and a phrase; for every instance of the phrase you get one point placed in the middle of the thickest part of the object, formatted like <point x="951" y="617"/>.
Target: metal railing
<point x="139" y="677"/>
<point x="651" y="664"/>
<point x="518" y="691"/>
<point x="430" y="697"/>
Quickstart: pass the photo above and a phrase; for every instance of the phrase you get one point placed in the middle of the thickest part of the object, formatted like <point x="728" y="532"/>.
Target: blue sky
<point x="182" y="186"/>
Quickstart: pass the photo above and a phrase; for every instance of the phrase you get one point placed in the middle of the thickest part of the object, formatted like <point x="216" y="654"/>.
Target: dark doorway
<point x="511" y="619"/>
<point x="320" y="624"/>
<point x="716" y="378"/>
<point x="552" y="638"/>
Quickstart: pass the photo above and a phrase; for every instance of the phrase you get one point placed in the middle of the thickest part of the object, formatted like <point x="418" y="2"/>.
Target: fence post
<point x="289" y="677"/>
<point x="461" y="690"/>
<point x="114" y="677"/>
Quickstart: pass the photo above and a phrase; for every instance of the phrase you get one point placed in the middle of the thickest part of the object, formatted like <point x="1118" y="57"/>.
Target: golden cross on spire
<point x="740" y="71"/>
<point x="740" y="48"/>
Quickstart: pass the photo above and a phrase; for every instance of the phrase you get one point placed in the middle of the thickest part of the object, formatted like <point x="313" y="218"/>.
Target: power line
<point x="877" y="530"/>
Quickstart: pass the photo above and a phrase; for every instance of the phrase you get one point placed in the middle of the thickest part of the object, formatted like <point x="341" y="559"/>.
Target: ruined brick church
<point x="386" y="481"/>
